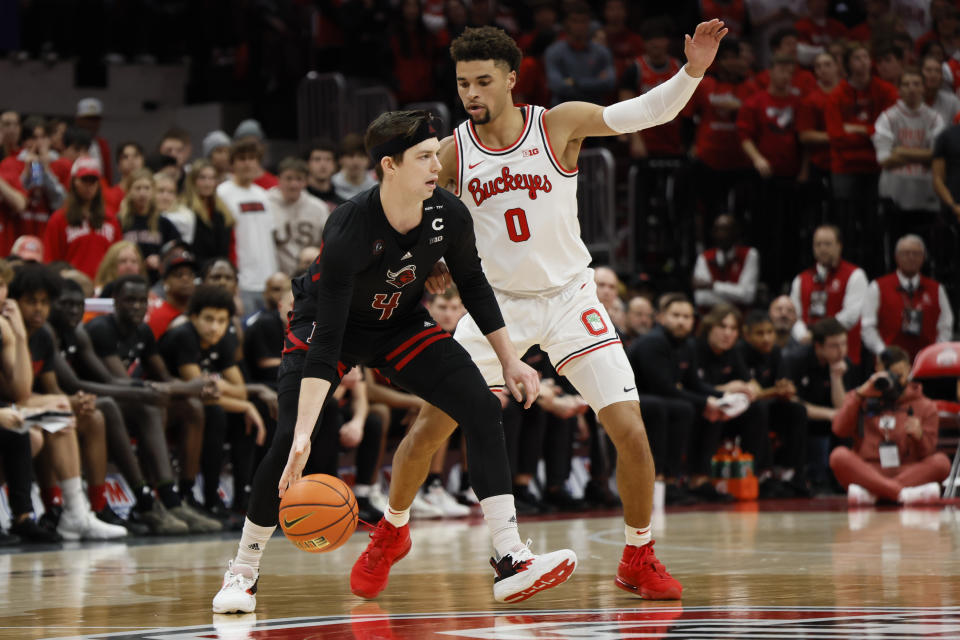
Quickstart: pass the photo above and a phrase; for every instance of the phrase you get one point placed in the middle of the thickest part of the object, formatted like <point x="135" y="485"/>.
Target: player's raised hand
<point x="299" y="453"/>
<point x="701" y="49"/>
<point x="517" y="374"/>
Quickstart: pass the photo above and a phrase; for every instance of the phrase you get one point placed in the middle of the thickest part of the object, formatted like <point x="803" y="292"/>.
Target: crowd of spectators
<point x="823" y="150"/>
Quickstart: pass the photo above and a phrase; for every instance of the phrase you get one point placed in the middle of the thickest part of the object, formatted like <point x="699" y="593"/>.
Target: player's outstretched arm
<point x="577" y="120"/>
<point x="313" y="393"/>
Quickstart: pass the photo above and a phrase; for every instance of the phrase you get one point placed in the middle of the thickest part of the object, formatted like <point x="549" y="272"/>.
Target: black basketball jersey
<point x="369" y="277"/>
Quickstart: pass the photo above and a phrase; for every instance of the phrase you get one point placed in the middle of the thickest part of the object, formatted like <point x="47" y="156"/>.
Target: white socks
<point x="253" y="540"/>
<point x="361" y="490"/>
<point x="396" y="518"/>
<point x="929" y="492"/>
<point x="73" y="498"/>
<point x="637" y="537"/>
<point x="501" y="516"/>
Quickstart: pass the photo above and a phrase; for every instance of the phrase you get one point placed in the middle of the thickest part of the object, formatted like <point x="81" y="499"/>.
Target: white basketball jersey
<point x="524" y="207"/>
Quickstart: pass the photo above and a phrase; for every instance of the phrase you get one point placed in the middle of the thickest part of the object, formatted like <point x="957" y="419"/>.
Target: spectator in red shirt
<point x="89" y="117"/>
<point x="889" y="59"/>
<point x="179" y="281"/>
<point x="767" y="127"/>
<point x="852" y="110"/>
<point x="81" y="232"/>
<point x="784" y="43"/>
<point x="625" y="45"/>
<point x="12" y="202"/>
<point x="44" y="192"/>
<point x="129" y="160"/>
<point x="722" y="165"/>
<point x="415" y="50"/>
<point x="251" y="129"/>
<point x="817" y="31"/>
<point x="812" y="134"/>
<point x="9" y="133"/>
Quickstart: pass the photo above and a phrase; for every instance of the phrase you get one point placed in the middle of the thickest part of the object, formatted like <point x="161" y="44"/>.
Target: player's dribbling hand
<point x="438" y="280"/>
<point x="517" y="374"/>
<point x="299" y="453"/>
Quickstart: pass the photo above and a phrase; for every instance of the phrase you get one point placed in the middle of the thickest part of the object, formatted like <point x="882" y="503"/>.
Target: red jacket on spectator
<point x="81" y="246"/>
<point x="893" y="300"/>
<point x="854" y="152"/>
<point x="867" y="445"/>
<point x="770" y="122"/>
<point x="32" y="221"/>
<point x="823" y="34"/>
<point x="266" y="180"/>
<point x="665" y="139"/>
<point x="801" y="84"/>
<point x="732" y="13"/>
<point x="812" y="117"/>
<point x="160" y="317"/>
<point x="9" y="219"/>
<point x="835" y="287"/>
<point x="717" y="142"/>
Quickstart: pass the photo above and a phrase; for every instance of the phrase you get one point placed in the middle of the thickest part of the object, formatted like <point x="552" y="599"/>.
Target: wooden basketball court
<point x="792" y="569"/>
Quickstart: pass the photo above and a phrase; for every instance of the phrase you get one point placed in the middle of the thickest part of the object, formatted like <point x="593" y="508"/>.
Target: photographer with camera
<point x="894" y="428"/>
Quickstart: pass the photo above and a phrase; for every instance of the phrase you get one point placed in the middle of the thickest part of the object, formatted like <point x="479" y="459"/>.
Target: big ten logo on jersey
<point x="507" y="182"/>
<point x="594" y="322"/>
<point x="530" y="152"/>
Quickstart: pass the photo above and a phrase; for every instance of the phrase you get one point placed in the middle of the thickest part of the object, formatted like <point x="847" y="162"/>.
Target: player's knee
<point x="839" y="456"/>
<point x="940" y="464"/>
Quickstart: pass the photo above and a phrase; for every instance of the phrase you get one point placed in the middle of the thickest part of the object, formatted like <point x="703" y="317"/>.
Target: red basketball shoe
<point x="388" y="544"/>
<point x="642" y="574"/>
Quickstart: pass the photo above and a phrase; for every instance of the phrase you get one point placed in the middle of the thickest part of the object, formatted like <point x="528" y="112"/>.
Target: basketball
<point x="319" y="513"/>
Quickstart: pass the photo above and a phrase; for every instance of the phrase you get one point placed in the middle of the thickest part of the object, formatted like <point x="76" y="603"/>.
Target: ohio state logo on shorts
<point x="594" y="322"/>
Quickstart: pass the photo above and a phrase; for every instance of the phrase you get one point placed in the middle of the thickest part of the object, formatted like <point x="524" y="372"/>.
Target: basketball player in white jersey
<point x="515" y="169"/>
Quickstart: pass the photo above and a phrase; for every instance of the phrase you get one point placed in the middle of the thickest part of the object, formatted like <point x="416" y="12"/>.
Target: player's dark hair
<point x="292" y="164"/>
<point x="210" y="297"/>
<point x="31" y="278"/>
<point x="29" y="126"/>
<point x="128" y="143"/>
<point x="778" y="36"/>
<point x="176" y="133"/>
<point x="674" y="297"/>
<point x="892" y="355"/>
<point x="122" y="281"/>
<point x="245" y="147"/>
<point x="487" y="43"/>
<point x="755" y="318"/>
<point x="826" y="328"/>
<point x="716" y="316"/>
<point x="390" y="125"/>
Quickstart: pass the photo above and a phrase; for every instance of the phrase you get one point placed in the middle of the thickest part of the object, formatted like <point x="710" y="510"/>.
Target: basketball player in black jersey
<point x="360" y="303"/>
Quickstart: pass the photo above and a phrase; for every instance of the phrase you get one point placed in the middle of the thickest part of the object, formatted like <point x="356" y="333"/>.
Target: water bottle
<point x="36" y="173"/>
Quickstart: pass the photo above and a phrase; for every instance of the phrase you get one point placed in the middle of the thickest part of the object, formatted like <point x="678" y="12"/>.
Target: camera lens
<point x="882" y="383"/>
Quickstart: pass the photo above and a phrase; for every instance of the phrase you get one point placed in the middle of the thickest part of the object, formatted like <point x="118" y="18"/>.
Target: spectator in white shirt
<point x="354" y="176"/>
<point x="299" y="216"/>
<point x="255" y="223"/>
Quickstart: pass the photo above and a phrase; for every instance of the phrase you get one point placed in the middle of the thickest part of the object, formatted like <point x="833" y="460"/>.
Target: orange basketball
<point x="319" y="513"/>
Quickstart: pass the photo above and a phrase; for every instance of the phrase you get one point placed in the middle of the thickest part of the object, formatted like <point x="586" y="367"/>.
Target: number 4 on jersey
<point x="386" y="303"/>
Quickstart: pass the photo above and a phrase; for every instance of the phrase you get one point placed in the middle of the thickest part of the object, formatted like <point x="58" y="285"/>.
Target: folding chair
<point x="940" y="362"/>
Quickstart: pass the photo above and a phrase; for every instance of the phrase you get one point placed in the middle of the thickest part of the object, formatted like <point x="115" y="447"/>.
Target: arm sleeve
<point x="464" y="263"/>
<point x="657" y="106"/>
<point x="845" y="420"/>
<point x="883" y="137"/>
<point x="743" y="290"/>
<point x="868" y="319"/>
<point x="104" y="343"/>
<point x="945" y="321"/>
<point x="849" y="315"/>
<point x="338" y="267"/>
